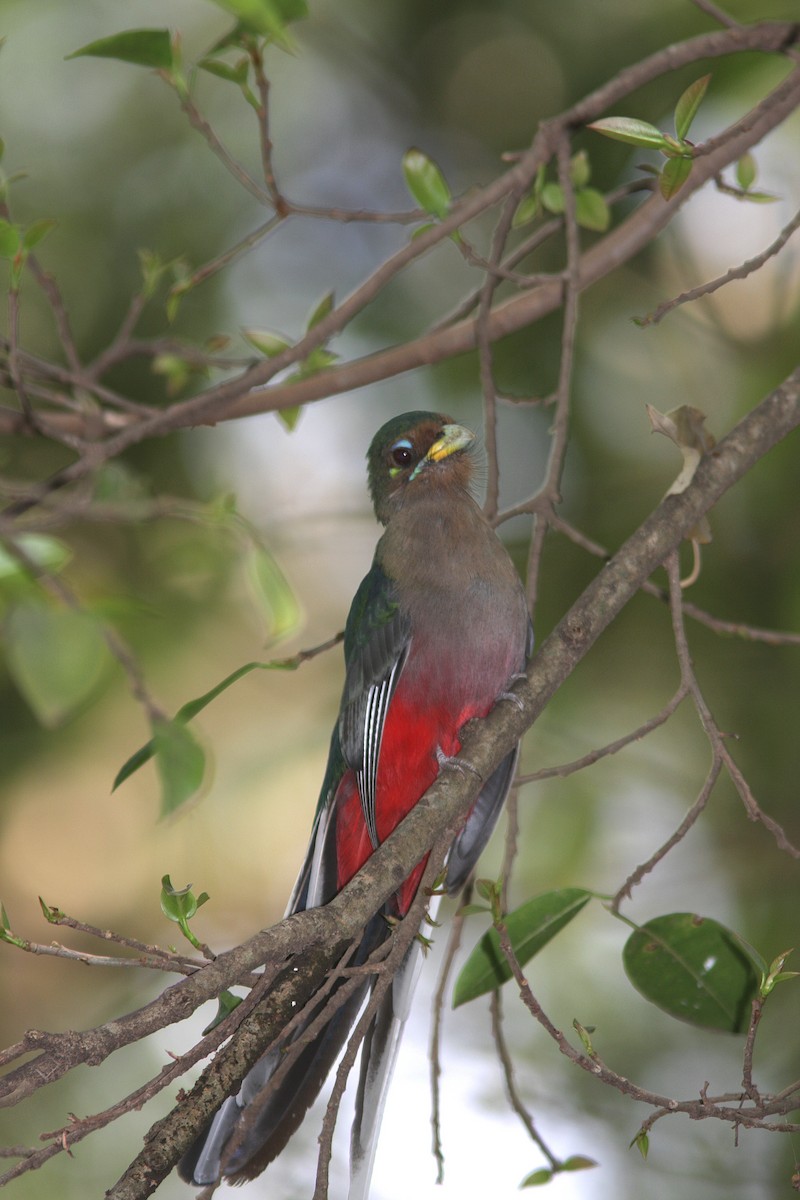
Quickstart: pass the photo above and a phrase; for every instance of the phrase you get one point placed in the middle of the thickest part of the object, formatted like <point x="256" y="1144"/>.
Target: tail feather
<point x="283" y="1108"/>
<point x="378" y="1058"/>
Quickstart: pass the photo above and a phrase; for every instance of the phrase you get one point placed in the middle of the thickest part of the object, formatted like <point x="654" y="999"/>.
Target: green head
<point x="414" y="451"/>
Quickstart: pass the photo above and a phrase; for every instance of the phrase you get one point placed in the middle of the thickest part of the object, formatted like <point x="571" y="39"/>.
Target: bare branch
<point x="740" y="272"/>
<point x="451" y="950"/>
<point x="593" y="756"/>
<point x="514" y="1098"/>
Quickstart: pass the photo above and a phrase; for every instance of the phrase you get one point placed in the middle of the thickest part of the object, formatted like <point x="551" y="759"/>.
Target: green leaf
<point x="37" y="231"/>
<point x="289" y="416"/>
<point x="673" y="176"/>
<point x="761" y="197"/>
<point x="688" y="104"/>
<point x="6" y="934"/>
<point x="176" y="371"/>
<point x="268" y="18"/>
<point x="584" y="1034"/>
<point x="746" y="172"/>
<point x="176" y="903"/>
<point x="47" y="552"/>
<point x="579" y="170"/>
<point x="51" y="913"/>
<point x="426" y="183"/>
<point x="226" y="1003"/>
<point x="320" y="311"/>
<point x="553" y="197"/>
<point x="273" y="592"/>
<point x="270" y="344"/>
<point x="143" y="47"/>
<point x="316" y="361"/>
<point x="578" y="1162"/>
<point x="152" y="269"/>
<point x="632" y="130"/>
<point x="223" y="70"/>
<point x="527" y="210"/>
<point x="591" y="210"/>
<point x="180" y="905"/>
<point x="10" y="238"/>
<point x="180" y="761"/>
<point x="694" y="969"/>
<point x="488" y="889"/>
<point x="672" y="148"/>
<point x="57" y="657"/>
<point x="530" y="927"/>
<point x="184" y="282"/>
<point x="774" y="974"/>
<point x="537" y="1178"/>
<point x="191" y="709"/>
<point x="642" y="1143"/>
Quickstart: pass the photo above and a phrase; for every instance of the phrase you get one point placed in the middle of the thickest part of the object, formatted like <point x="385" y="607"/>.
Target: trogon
<point x="436" y="632"/>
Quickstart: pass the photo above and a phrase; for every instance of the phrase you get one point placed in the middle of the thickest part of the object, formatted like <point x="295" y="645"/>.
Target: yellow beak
<point x="454" y="437"/>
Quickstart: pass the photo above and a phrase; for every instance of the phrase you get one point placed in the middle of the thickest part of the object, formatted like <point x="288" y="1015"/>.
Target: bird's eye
<point x="402" y="453"/>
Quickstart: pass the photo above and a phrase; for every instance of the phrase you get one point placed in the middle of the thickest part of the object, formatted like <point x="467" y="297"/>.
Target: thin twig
<point x="17" y="379"/>
<point x="593" y="756"/>
<point x="215" y="265"/>
<point x="741" y="272"/>
<point x="636" y="877"/>
<point x="716" y="13"/>
<point x="748" y="1086"/>
<point x="56" y="917"/>
<point x="485" y="355"/>
<point x="514" y="1098"/>
<point x="549" y="495"/>
<point x="740" y="629"/>
<point x="59" y="309"/>
<point x="57" y="950"/>
<point x="118" y="349"/>
<point x="445" y="971"/>
<point x="712" y="731"/>
<point x="199" y="122"/>
<point x="267" y="168"/>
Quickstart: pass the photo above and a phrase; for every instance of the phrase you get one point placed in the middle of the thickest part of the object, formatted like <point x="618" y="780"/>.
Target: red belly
<point x="407" y="767"/>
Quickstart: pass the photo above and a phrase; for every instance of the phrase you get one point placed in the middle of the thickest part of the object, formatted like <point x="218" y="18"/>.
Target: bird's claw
<point x="458" y="764"/>
<point x="512" y="697"/>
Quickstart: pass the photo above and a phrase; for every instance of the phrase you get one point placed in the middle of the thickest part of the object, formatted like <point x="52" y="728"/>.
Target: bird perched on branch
<point x="437" y="630"/>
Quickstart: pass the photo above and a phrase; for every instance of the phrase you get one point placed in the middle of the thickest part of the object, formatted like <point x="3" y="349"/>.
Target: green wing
<point x="376" y="640"/>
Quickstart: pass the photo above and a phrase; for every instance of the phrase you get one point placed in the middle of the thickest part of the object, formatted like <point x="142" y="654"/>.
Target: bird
<point x="438" y="630"/>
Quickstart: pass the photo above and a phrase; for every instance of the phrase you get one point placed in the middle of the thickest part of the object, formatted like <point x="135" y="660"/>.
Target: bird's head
<point x="417" y="451"/>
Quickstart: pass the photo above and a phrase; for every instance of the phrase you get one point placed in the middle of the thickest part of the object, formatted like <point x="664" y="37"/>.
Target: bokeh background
<point x="106" y="151"/>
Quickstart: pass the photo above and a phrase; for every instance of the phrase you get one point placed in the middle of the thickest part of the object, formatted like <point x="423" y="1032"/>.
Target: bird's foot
<point x="458" y="764"/>
<point x="512" y="697"/>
